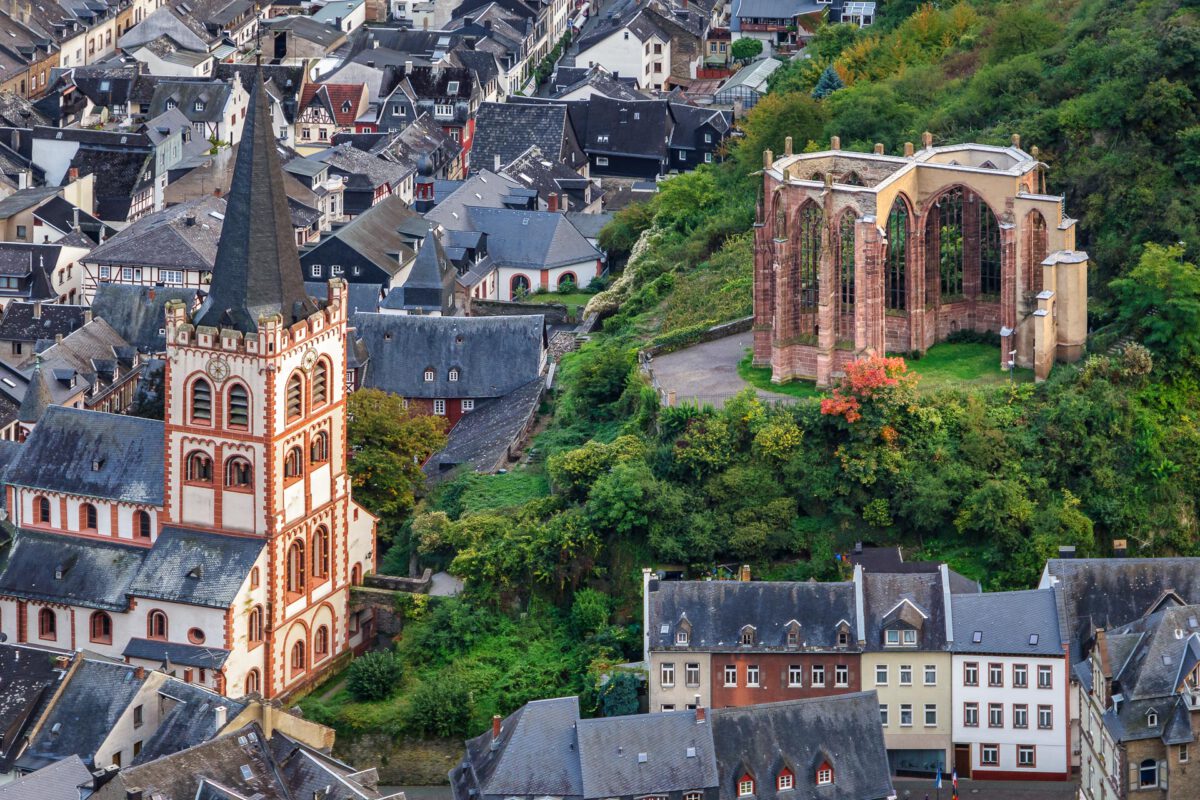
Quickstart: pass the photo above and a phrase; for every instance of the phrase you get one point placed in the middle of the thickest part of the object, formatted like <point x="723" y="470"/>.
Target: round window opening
<point x="196" y="636"/>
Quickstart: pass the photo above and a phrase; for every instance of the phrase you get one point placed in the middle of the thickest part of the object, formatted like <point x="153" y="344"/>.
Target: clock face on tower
<point x="310" y="358"/>
<point x="217" y="369"/>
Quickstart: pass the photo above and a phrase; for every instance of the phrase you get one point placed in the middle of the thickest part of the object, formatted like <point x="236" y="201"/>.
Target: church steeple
<point x="257" y="270"/>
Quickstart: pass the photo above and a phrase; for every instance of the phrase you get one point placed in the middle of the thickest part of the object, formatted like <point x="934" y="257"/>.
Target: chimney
<point x="58" y="338"/>
<point x="407" y="67"/>
<point x="908" y="149"/>
<point x="87" y="316"/>
<point x="74" y="218"/>
<point x="699" y="714"/>
<point x="768" y="158"/>
<point x="497" y="166"/>
<point x="134" y="794"/>
<point x="73" y="174"/>
<point x="927" y="140"/>
<point x="151" y="293"/>
<point x="835" y="143"/>
<point x="139" y="673"/>
<point x="217" y="192"/>
<point x="370" y="62"/>
<point x="1066" y="551"/>
<point x="787" y="146"/>
<point x="190" y="220"/>
<point x="495" y="731"/>
<point x="879" y="148"/>
<point x="552" y="202"/>
<point x="745" y="573"/>
<point x="37" y="310"/>
<point x="220" y="717"/>
<point x="1016" y="140"/>
<point x="1120" y="548"/>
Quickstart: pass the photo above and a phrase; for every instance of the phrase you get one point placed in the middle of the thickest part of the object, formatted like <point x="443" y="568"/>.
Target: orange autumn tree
<point x="875" y="385"/>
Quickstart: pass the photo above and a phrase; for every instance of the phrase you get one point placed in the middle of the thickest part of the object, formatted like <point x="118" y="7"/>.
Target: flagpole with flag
<point x="954" y="783"/>
<point x="937" y="782"/>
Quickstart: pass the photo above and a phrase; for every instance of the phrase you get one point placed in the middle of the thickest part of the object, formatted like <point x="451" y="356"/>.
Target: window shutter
<point x="1133" y="777"/>
<point x="1162" y="774"/>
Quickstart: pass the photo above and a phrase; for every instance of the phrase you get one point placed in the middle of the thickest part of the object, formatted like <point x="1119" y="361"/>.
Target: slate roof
<point x="88" y="707"/>
<point x="187" y="655"/>
<point x="1012" y="623"/>
<point x="602" y="82"/>
<point x="257" y="269"/>
<point x="481" y="440"/>
<point x="884" y="599"/>
<point x="197" y="568"/>
<point x="688" y="120"/>
<point x="26" y="198"/>
<point x="62" y="452"/>
<point x="137" y="313"/>
<point x="718" y="610"/>
<point x="362" y="296"/>
<point x="1107" y="592"/>
<point x="95" y="574"/>
<point x="485" y="188"/>
<point x="58" y="781"/>
<point x="774" y="9"/>
<point x="642" y="26"/>
<point x="532" y="239"/>
<point x="191" y="720"/>
<point x="30" y="677"/>
<point x="90" y="359"/>
<point x="494" y="355"/>
<point x="365" y="171"/>
<point x="311" y="773"/>
<point x="429" y="286"/>
<point x="639" y="128"/>
<point x="678" y="754"/>
<point x="185" y="93"/>
<point x="801" y="734"/>
<point x="508" y="130"/>
<point x="589" y="225"/>
<point x="60" y="215"/>
<point x="308" y="29"/>
<point x="376" y="235"/>
<point x="119" y="176"/>
<point x="17" y="112"/>
<point x="534" y="171"/>
<point x="536" y="755"/>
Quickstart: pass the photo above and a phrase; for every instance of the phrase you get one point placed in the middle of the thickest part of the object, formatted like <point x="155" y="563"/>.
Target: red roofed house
<point x="330" y="108"/>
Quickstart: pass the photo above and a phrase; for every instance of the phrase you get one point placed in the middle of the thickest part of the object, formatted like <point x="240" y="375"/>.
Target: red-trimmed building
<point x="327" y="109"/>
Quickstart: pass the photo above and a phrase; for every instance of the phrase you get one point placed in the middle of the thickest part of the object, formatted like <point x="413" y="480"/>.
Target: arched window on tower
<point x="253" y="682"/>
<point x="156" y="625"/>
<point x="254" y="625"/>
<point x="199" y="468"/>
<point x="320" y="383"/>
<point x="320" y="553"/>
<point x="43" y="510"/>
<point x="295" y="567"/>
<point x="100" y="628"/>
<point x="88" y="518"/>
<point x="293" y="463"/>
<point x="320" y="448"/>
<point x="846" y="277"/>
<point x="298" y="658"/>
<point x="239" y="406"/>
<point x="321" y="643"/>
<point x="895" y="270"/>
<point x="141" y="524"/>
<point x="295" y="396"/>
<point x="202" y="401"/>
<point x="47" y="624"/>
<point x="238" y="473"/>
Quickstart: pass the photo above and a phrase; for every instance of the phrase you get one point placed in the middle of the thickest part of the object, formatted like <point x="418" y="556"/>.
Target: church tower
<point x="255" y="432"/>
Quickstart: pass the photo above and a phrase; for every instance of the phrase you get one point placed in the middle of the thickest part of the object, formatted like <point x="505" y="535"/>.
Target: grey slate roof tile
<point x="95" y="454"/>
<point x="882" y="595"/>
<point x="30" y="678"/>
<point x="194" y="567"/>
<point x="191" y="721"/>
<point x="1007" y="622"/>
<point x="58" y="781"/>
<point x="188" y="655"/>
<point x="137" y="313"/>
<point x="531" y="239"/>
<point x="678" y="754"/>
<point x="494" y="355"/>
<point x="507" y="130"/>
<point x="95" y="574"/>
<point x="482" y="438"/>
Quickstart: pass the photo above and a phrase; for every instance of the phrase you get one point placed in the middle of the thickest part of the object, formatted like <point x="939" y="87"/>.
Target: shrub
<point x="589" y="612"/>
<point x="374" y="676"/>
<point x="440" y="707"/>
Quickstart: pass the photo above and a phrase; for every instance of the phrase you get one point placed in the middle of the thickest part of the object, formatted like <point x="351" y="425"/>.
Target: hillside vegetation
<point x="990" y="478"/>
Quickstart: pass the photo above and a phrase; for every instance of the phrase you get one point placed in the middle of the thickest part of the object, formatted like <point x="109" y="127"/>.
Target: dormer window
<point x="824" y="775"/>
<point x="785" y="781"/>
<point x="843" y="638"/>
<point x="199" y="105"/>
<point x="793" y="637"/>
<point x="1152" y="719"/>
<point x="747" y="635"/>
<point x="453" y="375"/>
<point x="429" y="375"/>
<point x="171" y="104"/>
<point x="910" y="638"/>
<point x="681" y="637"/>
<point x="746" y="786"/>
<point x="346" y="107"/>
<point x="893" y="638"/>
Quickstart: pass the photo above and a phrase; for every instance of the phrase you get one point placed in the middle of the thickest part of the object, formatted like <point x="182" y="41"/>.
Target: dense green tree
<point x="440" y="707"/>
<point x="1159" y="301"/>
<point x="619" y="695"/>
<point x="829" y="83"/>
<point x="745" y="49"/>
<point x="374" y="676"/>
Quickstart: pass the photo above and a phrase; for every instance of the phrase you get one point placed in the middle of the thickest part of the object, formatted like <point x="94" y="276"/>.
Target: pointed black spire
<point x="257" y="271"/>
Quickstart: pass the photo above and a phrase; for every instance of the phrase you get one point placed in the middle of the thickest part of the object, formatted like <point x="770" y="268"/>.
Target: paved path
<point x="445" y="585"/>
<point x="909" y="789"/>
<point x="707" y="373"/>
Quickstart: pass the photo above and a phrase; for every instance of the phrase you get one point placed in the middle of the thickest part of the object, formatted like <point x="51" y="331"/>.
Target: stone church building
<point x="222" y="543"/>
<point x="859" y="253"/>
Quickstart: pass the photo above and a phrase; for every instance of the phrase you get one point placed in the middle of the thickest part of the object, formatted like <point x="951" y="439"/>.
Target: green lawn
<point x="572" y="299"/>
<point x="486" y="492"/>
<point x="760" y="378"/>
<point x="944" y="366"/>
<point x="963" y="366"/>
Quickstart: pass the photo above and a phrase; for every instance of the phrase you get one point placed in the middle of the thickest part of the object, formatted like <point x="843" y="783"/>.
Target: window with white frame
<point x="1045" y="717"/>
<point x="785" y="782"/>
<point x="1020" y="716"/>
<point x="818" y="675"/>
<point x="746" y="787"/>
<point x="731" y="674"/>
<point x="453" y="375"/>
<point x="906" y="715"/>
<point x="795" y="675"/>
<point x="824" y="776"/>
<point x="970" y="674"/>
<point x="667" y="674"/>
<point x="989" y="755"/>
<point x="429" y="375"/>
<point x="1045" y="676"/>
<point x="970" y="715"/>
<point x="439" y="407"/>
<point x="883" y="714"/>
<point x="841" y="675"/>
<point x="104" y="273"/>
<point x="995" y="674"/>
<point x="910" y="638"/>
<point x="708" y="158"/>
<point x="752" y="675"/>
<point x="995" y="715"/>
<point x="681" y="637"/>
<point x="881" y="675"/>
<point x="930" y="715"/>
<point x="468" y="405"/>
<point x="1020" y="676"/>
<point x="691" y="674"/>
<point x="1026" y="755"/>
<point x="906" y="674"/>
<point x="931" y="674"/>
<point x="893" y="638"/>
<point x="601" y="161"/>
<point x="171" y="276"/>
